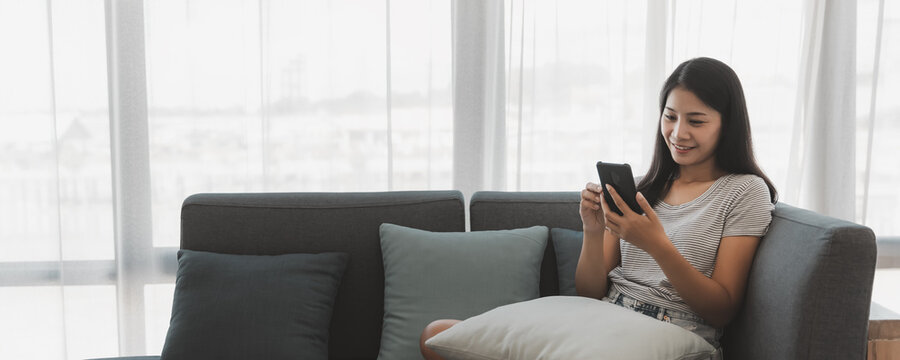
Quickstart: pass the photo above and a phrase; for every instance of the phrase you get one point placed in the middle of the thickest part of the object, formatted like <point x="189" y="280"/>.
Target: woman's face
<point x="691" y="128"/>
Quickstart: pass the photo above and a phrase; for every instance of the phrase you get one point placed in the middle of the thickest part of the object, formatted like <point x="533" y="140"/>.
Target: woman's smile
<point x="682" y="149"/>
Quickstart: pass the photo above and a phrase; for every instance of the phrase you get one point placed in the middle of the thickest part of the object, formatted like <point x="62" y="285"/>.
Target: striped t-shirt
<point x="734" y="205"/>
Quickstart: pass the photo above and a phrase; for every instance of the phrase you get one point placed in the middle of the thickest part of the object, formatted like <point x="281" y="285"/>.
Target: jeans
<point x="690" y="322"/>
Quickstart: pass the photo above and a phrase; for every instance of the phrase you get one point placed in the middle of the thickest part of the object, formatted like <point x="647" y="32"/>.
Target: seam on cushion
<point x="791" y="219"/>
<point x="796" y="221"/>
<point x="485" y="357"/>
<point x="535" y="241"/>
<point x="463" y="352"/>
<point x="386" y="204"/>
<point x="694" y="355"/>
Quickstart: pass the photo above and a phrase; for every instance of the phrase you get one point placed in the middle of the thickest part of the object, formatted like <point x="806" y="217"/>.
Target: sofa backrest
<point x="498" y="210"/>
<point x="280" y="223"/>
<point x="809" y="289"/>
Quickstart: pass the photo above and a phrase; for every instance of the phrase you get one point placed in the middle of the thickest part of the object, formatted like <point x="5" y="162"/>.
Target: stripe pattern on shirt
<point x="734" y="205"/>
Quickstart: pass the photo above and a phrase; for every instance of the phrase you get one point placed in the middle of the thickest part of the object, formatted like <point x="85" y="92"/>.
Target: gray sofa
<point x="808" y="294"/>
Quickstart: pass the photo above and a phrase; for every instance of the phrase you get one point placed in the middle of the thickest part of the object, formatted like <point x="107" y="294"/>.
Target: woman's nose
<point x="679" y="132"/>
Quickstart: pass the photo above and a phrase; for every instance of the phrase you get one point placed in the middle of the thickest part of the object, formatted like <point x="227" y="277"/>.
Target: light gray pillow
<point x="567" y="327"/>
<point x="434" y="275"/>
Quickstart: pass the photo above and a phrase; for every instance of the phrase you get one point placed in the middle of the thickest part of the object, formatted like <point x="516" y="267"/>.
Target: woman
<point x="707" y="205"/>
<point x="686" y="261"/>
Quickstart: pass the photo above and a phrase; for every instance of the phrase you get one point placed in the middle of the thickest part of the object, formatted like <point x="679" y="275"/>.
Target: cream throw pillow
<point x="567" y="327"/>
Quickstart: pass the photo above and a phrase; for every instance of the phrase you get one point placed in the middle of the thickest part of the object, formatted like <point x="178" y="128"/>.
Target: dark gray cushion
<point x="432" y="275"/>
<point x="496" y="210"/>
<point x="253" y="306"/>
<point x="567" y="245"/>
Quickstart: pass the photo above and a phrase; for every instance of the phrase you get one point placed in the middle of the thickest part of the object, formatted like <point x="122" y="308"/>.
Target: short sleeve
<point x="751" y="212"/>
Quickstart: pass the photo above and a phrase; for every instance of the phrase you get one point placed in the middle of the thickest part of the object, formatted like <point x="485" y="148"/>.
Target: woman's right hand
<point x="592" y="216"/>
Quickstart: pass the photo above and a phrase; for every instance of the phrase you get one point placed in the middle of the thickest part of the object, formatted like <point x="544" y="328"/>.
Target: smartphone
<point x="620" y="178"/>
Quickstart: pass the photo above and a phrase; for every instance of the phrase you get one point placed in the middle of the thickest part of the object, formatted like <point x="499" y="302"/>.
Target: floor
<point x="886" y="294"/>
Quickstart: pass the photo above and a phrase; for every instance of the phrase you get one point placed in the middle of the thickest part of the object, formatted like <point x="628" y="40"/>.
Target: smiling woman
<point x="687" y="260"/>
<point x="707" y="206"/>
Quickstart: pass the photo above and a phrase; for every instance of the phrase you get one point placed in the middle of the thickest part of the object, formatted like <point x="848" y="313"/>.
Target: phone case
<point x="622" y="180"/>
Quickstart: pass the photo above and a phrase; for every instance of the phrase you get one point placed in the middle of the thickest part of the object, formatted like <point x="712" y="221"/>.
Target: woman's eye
<point x="696" y="122"/>
<point x="670" y="117"/>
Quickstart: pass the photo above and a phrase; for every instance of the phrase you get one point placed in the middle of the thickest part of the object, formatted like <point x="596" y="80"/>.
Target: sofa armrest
<point x="809" y="290"/>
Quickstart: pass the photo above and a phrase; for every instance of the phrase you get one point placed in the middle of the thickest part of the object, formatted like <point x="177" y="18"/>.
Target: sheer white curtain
<point x="878" y="126"/>
<point x="583" y="79"/>
<point x="576" y="90"/>
<point x="57" y="254"/>
<point x="878" y="116"/>
<point x="111" y="112"/>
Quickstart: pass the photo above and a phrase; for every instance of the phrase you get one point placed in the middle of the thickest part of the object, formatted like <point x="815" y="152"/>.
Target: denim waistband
<point x="654" y="311"/>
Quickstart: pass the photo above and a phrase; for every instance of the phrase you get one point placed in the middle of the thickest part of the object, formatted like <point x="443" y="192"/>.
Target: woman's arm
<point x="715" y="299"/>
<point x="599" y="248"/>
<point x="599" y="255"/>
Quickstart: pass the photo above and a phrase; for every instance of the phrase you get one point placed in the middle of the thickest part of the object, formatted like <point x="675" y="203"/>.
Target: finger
<point x="612" y="225"/>
<point x="645" y="205"/>
<point x="605" y="207"/>
<point x="618" y="200"/>
<point x="611" y="219"/>
<point x="589" y="200"/>
<point x="594" y="188"/>
<point x="589" y="195"/>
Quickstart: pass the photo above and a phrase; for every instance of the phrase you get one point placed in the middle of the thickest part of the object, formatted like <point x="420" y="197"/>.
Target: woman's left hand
<point x="645" y="232"/>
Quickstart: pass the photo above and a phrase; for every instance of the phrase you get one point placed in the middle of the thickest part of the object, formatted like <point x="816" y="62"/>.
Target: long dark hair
<point x="718" y="87"/>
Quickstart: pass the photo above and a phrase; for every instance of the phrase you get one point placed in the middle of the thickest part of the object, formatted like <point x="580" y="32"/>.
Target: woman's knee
<point x="432" y="329"/>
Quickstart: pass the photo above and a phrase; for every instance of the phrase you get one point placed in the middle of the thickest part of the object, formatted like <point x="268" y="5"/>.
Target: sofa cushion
<point x="498" y="210"/>
<point x="567" y="246"/>
<point x="434" y="275"/>
<point x="567" y="327"/>
<point x="253" y="306"/>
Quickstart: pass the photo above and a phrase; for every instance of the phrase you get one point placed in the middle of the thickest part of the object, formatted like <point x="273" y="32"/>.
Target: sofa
<point x="808" y="294"/>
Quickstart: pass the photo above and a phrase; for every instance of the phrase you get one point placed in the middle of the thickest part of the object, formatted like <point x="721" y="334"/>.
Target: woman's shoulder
<point x="745" y="181"/>
<point x="746" y="185"/>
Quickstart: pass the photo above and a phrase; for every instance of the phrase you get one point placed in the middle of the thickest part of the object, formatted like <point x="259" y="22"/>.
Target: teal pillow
<point x="253" y="307"/>
<point x="567" y="245"/>
<point x="435" y="275"/>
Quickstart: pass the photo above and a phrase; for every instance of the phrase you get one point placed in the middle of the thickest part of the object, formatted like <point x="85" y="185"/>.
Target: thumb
<point x="645" y="205"/>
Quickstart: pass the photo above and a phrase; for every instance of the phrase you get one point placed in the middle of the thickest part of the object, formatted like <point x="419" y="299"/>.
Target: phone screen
<point x="619" y="176"/>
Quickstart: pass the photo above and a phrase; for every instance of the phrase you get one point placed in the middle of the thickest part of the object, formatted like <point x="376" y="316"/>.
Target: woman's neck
<point x="699" y="173"/>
